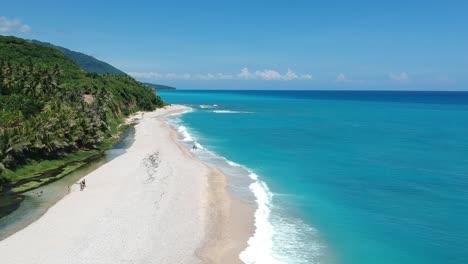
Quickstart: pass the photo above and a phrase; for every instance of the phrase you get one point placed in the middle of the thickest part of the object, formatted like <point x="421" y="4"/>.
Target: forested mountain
<point x="49" y="107"/>
<point x="159" y="86"/>
<point x="93" y="65"/>
<point x="86" y="62"/>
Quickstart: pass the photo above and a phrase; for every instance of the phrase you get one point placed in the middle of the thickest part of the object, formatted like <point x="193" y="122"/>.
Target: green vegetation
<point x="86" y="62"/>
<point x="159" y="86"/>
<point x="93" y="65"/>
<point x="52" y="113"/>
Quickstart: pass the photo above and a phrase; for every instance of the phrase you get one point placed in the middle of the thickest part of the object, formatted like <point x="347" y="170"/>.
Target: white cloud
<point x="181" y="76"/>
<point x="159" y="76"/>
<point x="341" y="78"/>
<point x="402" y="77"/>
<point x="213" y="76"/>
<point x="268" y="75"/>
<point x="290" y="75"/>
<point x="13" y="25"/>
<point x="307" y="77"/>
<point x="245" y="74"/>
<point x="25" y="29"/>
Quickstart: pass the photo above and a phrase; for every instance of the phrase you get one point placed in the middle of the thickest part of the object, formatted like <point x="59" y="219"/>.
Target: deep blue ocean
<point x="343" y="177"/>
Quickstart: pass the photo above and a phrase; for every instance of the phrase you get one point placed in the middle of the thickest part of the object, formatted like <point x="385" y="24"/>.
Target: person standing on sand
<point x="82" y="185"/>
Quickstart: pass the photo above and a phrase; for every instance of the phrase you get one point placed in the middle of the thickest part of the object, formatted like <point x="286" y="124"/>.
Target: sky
<point x="363" y="45"/>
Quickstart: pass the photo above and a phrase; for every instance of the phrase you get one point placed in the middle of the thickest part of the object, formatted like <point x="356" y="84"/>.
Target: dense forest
<point x="50" y="107"/>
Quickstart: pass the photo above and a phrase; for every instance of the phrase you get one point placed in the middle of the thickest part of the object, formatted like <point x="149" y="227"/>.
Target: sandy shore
<point x="154" y="204"/>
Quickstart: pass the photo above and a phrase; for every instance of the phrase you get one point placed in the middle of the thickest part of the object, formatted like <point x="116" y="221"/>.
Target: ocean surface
<point x="340" y="177"/>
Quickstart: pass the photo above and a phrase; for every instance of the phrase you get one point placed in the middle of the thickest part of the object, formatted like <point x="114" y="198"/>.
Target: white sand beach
<point x="154" y="204"/>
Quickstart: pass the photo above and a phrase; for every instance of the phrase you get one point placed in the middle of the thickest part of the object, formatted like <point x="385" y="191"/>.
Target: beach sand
<point x="154" y="204"/>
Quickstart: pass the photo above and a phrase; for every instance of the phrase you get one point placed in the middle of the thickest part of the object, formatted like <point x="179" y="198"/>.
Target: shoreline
<point x="195" y="219"/>
<point x="230" y="222"/>
<point x="230" y="227"/>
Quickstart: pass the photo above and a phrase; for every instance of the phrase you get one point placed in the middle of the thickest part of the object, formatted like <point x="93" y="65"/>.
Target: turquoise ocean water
<point x="341" y="177"/>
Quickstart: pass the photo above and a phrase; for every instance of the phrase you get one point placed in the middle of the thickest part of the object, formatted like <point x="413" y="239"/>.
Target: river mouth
<point x="19" y="211"/>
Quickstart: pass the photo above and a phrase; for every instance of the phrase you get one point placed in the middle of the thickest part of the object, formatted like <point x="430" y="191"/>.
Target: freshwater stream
<point x="34" y="206"/>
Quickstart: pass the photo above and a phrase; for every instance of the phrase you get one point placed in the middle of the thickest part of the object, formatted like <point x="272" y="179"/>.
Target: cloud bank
<point x="13" y="25"/>
<point x="341" y="78"/>
<point x="271" y="75"/>
<point x="245" y="74"/>
<point x="402" y="77"/>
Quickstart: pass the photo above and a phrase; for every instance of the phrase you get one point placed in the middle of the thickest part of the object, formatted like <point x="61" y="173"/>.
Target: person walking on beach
<point x="82" y="185"/>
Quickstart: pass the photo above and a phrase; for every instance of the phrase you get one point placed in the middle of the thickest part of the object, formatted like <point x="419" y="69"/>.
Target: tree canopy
<point x="49" y="106"/>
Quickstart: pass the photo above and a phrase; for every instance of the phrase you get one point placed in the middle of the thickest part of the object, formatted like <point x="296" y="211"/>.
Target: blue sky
<point x="414" y="45"/>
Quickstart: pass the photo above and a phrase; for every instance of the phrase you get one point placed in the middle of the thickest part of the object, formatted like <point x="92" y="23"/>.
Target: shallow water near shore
<point x="35" y="203"/>
<point x="340" y="177"/>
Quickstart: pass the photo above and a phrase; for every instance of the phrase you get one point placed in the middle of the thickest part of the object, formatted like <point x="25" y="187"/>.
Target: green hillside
<point x="159" y="86"/>
<point x="17" y="51"/>
<point x="53" y="112"/>
<point x="86" y="62"/>
<point x="93" y="65"/>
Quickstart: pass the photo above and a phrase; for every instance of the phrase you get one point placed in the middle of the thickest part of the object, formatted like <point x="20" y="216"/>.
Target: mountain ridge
<point x="85" y="61"/>
<point x="159" y="86"/>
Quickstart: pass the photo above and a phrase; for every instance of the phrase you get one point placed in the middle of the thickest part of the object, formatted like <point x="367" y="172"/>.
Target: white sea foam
<point x="279" y="238"/>
<point x="208" y="106"/>
<point x="260" y="245"/>
<point x="199" y="146"/>
<point x="231" y="112"/>
<point x="180" y="113"/>
<point x="232" y="163"/>
<point x="174" y="120"/>
<point x="299" y="242"/>
<point x="185" y="134"/>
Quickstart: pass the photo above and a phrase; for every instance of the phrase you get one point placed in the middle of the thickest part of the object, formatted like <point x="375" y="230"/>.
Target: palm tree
<point x="11" y="142"/>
